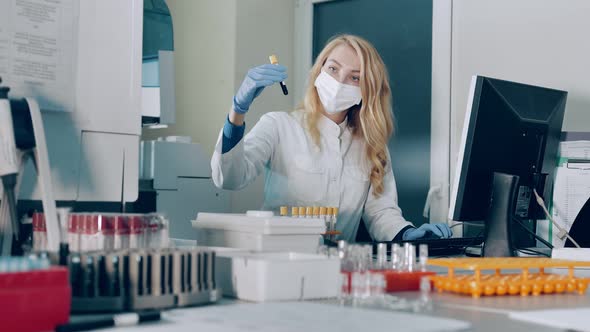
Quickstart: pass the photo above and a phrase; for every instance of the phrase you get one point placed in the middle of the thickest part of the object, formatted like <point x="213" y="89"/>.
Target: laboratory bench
<point x="484" y="314"/>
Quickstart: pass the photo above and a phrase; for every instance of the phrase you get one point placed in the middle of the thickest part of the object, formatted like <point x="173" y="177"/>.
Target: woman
<point x="331" y="151"/>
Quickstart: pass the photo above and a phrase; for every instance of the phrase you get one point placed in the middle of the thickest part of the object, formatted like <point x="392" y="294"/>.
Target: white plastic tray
<point x="259" y="231"/>
<point x="264" y="223"/>
<point x="282" y="276"/>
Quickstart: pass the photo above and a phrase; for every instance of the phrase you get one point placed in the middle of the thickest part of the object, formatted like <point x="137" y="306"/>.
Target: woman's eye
<point x="356" y="79"/>
<point x="332" y="69"/>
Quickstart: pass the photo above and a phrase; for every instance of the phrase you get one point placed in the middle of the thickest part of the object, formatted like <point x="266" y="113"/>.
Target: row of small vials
<point x="359" y="258"/>
<point x="363" y="280"/>
<point x="328" y="214"/>
<point x="105" y="231"/>
<point x="309" y="212"/>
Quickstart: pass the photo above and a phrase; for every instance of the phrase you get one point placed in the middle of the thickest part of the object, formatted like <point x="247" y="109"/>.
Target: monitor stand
<point x="497" y="238"/>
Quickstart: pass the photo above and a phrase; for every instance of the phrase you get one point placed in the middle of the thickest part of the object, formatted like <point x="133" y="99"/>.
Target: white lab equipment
<point x="29" y="115"/>
<point x="277" y="276"/>
<point x="259" y="231"/>
<point x="175" y="179"/>
<point x="92" y="106"/>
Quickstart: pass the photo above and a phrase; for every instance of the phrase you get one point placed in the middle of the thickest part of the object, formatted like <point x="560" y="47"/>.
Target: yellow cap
<point x="294" y="211"/>
<point x="302" y="211"/>
<point x="273" y="59"/>
<point x="330" y="210"/>
<point x="335" y="211"/>
<point x="309" y="211"/>
<point x="316" y="210"/>
<point x="323" y="211"/>
<point x="284" y="211"/>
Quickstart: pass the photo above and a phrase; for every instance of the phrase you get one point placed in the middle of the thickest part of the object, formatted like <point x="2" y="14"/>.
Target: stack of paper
<point x="571" y="189"/>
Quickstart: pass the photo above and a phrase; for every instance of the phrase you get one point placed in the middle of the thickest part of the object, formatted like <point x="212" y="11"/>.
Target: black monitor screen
<point x="511" y="128"/>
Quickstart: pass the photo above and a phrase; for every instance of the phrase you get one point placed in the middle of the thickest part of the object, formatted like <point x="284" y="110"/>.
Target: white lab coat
<point x="298" y="173"/>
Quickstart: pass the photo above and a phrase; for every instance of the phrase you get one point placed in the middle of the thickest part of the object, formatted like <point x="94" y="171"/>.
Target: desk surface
<point x="491" y="313"/>
<point x="484" y="314"/>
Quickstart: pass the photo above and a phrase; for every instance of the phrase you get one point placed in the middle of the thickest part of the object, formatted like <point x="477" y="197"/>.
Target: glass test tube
<point x="396" y="257"/>
<point x="423" y="256"/>
<point x="381" y="256"/>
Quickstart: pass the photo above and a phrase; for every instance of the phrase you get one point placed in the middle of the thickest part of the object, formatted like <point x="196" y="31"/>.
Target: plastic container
<point x="260" y="277"/>
<point x="532" y="279"/>
<point x="259" y="231"/>
<point x="34" y="300"/>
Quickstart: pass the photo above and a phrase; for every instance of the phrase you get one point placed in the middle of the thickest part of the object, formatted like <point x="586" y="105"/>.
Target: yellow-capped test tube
<point x="275" y="61"/>
<point x="301" y="212"/>
<point x="309" y="212"/>
<point x="294" y="211"/>
<point x="316" y="211"/>
<point x="284" y="211"/>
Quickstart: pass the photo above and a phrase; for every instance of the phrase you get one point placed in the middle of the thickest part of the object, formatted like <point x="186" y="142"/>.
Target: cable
<point x="521" y="224"/>
<point x="562" y="231"/>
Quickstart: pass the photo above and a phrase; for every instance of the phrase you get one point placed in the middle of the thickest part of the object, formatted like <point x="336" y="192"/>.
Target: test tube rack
<point x="498" y="283"/>
<point x="142" y="279"/>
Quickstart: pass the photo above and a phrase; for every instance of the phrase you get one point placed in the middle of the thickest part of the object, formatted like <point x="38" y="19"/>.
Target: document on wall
<point x="570" y="193"/>
<point x="575" y="150"/>
<point x="38" y="47"/>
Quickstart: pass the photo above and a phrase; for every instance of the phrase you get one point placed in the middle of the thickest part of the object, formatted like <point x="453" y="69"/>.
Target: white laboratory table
<point x="484" y="314"/>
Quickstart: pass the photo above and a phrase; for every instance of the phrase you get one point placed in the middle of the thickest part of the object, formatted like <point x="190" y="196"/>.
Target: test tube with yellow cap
<point x="283" y="211"/>
<point x="301" y="212"/>
<point x="316" y="211"/>
<point x="309" y="212"/>
<point x="294" y="212"/>
<point x="274" y="60"/>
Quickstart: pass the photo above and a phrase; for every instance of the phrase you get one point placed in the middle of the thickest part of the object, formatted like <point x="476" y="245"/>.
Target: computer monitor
<point x="509" y="147"/>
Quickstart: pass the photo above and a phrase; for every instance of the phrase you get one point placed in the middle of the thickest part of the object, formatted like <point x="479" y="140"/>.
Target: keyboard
<point x="438" y="247"/>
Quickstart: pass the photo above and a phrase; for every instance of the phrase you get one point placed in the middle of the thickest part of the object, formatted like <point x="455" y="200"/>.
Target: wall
<point x="264" y="27"/>
<point x="204" y="70"/>
<point x="539" y="42"/>
<point x="216" y="42"/>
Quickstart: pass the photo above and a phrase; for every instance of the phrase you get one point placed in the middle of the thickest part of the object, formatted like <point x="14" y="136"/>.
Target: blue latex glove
<point x="255" y="81"/>
<point x="436" y="230"/>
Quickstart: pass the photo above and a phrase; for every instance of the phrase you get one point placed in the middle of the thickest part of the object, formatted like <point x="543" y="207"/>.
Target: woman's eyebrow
<point x="338" y="63"/>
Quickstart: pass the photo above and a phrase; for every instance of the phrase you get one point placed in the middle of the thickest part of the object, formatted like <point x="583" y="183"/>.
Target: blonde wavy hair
<point x="372" y="120"/>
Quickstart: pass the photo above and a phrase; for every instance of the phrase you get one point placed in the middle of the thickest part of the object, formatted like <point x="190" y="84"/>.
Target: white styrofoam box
<point x="279" y="276"/>
<point x="260" y="231"/>
<point x="574" y="254"/>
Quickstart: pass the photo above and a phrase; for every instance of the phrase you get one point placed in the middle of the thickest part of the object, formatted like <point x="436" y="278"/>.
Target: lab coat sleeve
<point x="382" y="215"/>
<point x="238" y="167"/>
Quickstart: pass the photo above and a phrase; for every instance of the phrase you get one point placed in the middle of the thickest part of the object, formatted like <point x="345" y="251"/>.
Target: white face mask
<point x="335" y="96"/>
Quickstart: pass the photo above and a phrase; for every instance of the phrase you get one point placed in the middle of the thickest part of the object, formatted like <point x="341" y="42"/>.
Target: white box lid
<point x="261" y="222"/>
